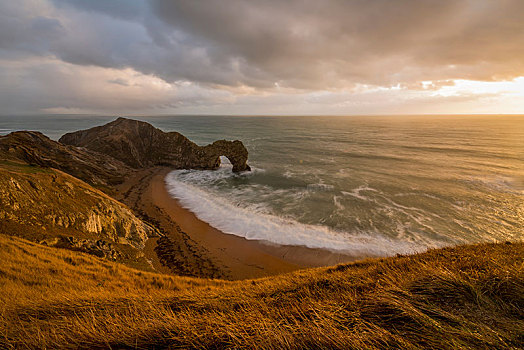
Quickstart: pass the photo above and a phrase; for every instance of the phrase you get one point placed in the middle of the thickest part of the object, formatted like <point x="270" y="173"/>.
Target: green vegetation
<point x="469" y="297"/>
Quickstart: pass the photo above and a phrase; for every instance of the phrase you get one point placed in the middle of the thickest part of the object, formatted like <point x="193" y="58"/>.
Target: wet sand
<point x="202" y="250"/>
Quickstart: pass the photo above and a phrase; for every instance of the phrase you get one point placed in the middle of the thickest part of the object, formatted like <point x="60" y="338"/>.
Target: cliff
<point x="34" y="148"/>
<point x="50" y="207"/>
<point x="141" y="145"/>
<point x="42" y="197"/>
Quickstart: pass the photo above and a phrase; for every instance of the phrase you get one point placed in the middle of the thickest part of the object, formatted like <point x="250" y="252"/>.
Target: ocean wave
<point x="254" y="225"/>
<point x="356" y="192"/>
<point x="512" y="185"/>
<point x="224" y="172"/>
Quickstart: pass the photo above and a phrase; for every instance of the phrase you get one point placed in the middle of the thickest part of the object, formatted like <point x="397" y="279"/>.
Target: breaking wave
<point x="254" y="224"/>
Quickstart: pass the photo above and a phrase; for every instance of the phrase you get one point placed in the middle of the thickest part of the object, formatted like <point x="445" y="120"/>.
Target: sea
<point x="359" y="185"/>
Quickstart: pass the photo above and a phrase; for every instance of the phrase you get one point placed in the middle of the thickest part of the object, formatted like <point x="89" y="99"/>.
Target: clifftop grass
<point x="469" y="297"/>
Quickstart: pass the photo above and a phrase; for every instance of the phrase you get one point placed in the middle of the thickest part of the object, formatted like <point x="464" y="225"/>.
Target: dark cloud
<point x="265" y="46"/>
<point x="24" y="32"/>
<point x="319" y="44"/>
<point x="122" y="9"/>
<point x="304" y="44"/>
<point x="119" y="81"/>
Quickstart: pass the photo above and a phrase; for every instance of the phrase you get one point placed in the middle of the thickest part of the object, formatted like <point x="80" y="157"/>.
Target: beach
<point x="367" y="186"/>
<point x="192" y="247"/>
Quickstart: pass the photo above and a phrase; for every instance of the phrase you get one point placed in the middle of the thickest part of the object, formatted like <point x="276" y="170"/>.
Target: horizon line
<point x="117" y="115"/>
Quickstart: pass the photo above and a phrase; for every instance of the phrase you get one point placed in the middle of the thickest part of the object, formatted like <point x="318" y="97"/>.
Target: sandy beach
<point x="189" y="246"/>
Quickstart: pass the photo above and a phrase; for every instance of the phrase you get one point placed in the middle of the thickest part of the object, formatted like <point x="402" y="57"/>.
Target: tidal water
<point x="373" y="185"/>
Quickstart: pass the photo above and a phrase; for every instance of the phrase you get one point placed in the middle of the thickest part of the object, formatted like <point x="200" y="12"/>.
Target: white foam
<point x="501" y="183"/>
<point x="338" y="205"/>
<point x="212" y="176"/>
<point x="254" y="225"/>
<point x="288" y="174"/>
<point x="356" y="192"/>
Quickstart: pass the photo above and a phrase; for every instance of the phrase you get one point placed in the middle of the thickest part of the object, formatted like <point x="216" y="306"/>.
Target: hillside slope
<point x="32" y="147"/>
<point x="50" y="207"/>
<point x="468" y="297"/>
<point x="50" y="193"/>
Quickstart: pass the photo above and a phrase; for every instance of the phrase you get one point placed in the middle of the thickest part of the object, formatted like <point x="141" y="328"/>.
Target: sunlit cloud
<point x="514" y="88"/>
<point x="271" y="57"/>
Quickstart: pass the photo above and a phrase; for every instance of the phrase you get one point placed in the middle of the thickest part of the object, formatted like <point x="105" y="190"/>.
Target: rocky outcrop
<point x="34" y="148"/>
<point x="38" y="203"/>
<point x="140" y="145"/>
<point x="43" y="197"/>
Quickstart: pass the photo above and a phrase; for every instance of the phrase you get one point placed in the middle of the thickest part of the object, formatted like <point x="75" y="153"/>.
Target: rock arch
<point x="235" y="151"/>
<point x="140" y="145"/>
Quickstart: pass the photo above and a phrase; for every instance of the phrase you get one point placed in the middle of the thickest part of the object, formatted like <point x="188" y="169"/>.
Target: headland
<point x="128" y="160"/>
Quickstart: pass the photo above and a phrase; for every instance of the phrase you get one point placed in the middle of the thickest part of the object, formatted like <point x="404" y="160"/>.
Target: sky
<point x="294" y="57"/>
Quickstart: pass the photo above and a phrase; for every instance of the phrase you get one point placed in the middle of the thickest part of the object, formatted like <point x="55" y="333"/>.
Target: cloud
<point x="301" y="44"/>
<point x="92" y="89"/>
<point x="316" y="45"/>
<point x="236" y="53"/>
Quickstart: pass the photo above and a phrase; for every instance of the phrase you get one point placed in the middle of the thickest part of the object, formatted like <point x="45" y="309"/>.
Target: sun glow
<point x="512" y="88"/>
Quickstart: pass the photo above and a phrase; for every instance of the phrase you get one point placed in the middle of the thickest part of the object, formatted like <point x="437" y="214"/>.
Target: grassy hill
<point x="48" y="206"/>
<point x="469" y="297"/>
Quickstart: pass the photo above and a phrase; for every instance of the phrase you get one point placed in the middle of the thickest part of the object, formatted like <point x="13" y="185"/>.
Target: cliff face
<point x="47" y="206"/>
<point x="37" y="149"/>
<point x="43" y="199"/>
<point x="141" y="145"/>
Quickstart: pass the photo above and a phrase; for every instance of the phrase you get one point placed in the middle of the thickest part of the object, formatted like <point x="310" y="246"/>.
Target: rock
<point x="34" y="148"/>
<point x="140" y="145"/>
<point x="233" y="150"/>
<point x="43" y="197"/>
<point x="57" y="203"/>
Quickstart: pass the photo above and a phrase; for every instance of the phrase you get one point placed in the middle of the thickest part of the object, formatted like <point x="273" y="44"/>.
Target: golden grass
<point x="469" y="297"/>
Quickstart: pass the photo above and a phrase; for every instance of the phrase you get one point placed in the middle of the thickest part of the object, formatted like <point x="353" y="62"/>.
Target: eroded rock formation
<point x="43" y="197"/>
<point x="140" y="145"/>
<point x="47" y="206"/>
<point x="34" y="148"/>
<point x="53" y="202"/>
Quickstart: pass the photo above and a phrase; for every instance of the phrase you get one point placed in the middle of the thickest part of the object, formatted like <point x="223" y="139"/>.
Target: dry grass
<point x="469" y="297"/>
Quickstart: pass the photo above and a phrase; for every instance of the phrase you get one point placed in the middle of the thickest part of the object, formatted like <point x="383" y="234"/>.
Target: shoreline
<point x="223" y="255"/>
